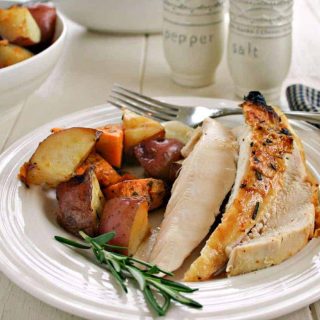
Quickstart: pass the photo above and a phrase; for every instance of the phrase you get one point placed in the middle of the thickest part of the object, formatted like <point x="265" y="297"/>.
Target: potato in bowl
<point x="28" y="57"/>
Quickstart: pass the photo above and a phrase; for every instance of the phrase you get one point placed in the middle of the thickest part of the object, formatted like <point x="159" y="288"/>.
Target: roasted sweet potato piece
<point x="127" y="176"/>
<point x="110" y="144"/>
<point x="105" y="173"/>
<point x="128" y="217"/>
<point x="156" y="156"/>
<point x="152" y="190"/>
<point x="58" y="156"/>
<point x="80" y="203"/>
<point x="56" y="130"/>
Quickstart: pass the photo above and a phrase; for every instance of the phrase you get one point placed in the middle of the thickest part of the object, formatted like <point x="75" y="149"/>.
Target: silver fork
<point x="192" y="116"/>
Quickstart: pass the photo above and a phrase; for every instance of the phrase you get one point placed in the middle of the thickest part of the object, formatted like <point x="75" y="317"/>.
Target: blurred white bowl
<point x="18" y="81"/>
<point x="125" y="16"/>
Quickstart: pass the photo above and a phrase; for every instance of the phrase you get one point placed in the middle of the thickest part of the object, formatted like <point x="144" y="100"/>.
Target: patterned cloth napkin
<point x="303" y="98"/>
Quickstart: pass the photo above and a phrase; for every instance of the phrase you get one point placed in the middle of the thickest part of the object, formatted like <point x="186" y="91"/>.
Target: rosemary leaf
<point x="166" y="303"/>
<point x="177" y="286"/>
<point x="148" y="294"/>
<point x="115" y="255"/>
<point x="99" y="254"/>
<point x="85" y="236"/>
<point x="104" y="238"/>
<point x="116" y="265"/>
<point x="167" y="273"/>
<point x="137" y="274"/>
<point x="123" y="267"/>
<point x="153" y="270"/>
<point x="117" y="277"/>
<point x="143" y="263"/>
<point x="175" y="295"/>
<point x="112" y="246"/>
<point x="151" y="266"/>
<point x="255" y="210"/>
<point x="72" y="243"/>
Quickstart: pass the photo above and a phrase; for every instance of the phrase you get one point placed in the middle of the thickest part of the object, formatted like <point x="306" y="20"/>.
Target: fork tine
<point x="119" y="106"/>
<point x="143" y="109"/>
<point x="115" y="104"/>
<point x="150" y="100"/>
<point x="149" y="106"/>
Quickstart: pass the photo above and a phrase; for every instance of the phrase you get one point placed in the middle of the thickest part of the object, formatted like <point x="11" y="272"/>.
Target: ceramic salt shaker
<point x="193" y="37"/>
<point x="259" y="45"/>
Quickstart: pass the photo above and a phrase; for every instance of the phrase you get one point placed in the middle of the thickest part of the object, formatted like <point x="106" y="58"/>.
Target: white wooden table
<point x="89" y="66"/>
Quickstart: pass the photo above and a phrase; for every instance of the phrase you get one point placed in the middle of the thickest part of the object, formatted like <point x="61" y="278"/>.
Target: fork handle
<point x="313" y="117"/>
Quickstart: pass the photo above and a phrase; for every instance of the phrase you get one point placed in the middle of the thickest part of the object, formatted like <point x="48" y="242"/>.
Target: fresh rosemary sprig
<point x="123" y="267"/>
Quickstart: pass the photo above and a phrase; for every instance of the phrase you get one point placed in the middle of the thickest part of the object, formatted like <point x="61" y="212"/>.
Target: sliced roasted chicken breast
<point x="206" y="176"/>
<point x="270" y="161"/>
<point x="285" y="227"/>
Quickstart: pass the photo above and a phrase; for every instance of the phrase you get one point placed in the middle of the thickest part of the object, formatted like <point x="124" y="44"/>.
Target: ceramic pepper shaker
<point x="193" y="37"/>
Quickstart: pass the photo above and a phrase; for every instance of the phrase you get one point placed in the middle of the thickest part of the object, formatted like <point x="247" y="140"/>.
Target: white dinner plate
<point x="61" y="277"/>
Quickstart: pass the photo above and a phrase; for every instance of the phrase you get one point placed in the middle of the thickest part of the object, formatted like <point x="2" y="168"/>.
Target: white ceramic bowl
<point x="125" y="16"/>
<point x="18" y="81"/>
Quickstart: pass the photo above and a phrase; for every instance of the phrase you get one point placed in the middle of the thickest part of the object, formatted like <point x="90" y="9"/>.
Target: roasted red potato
<point x="110" y="144"/>
<point x="45" y="16"/>
<point x="18" y="26"/>
<point x="156" y="156"/>
<point x="128" y="217"/>
<point x="152" y="190"/>
<point x="138" y="128"/>
<point x="174" y="170"/>
<point x="11" y="54"/>
<point x="80" y="203"/>
<point x="105" y="173"/>
<point x="59" y="155"/>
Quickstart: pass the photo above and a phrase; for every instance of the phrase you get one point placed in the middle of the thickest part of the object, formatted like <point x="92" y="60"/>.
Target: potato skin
<point x="45" y="16"/>
<point x="75" y="199"/>
<point x="174" y="170"/>
<point x="156" y="156"/>
<point x="128" y="217"/>
<point x="152" y="190"/>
